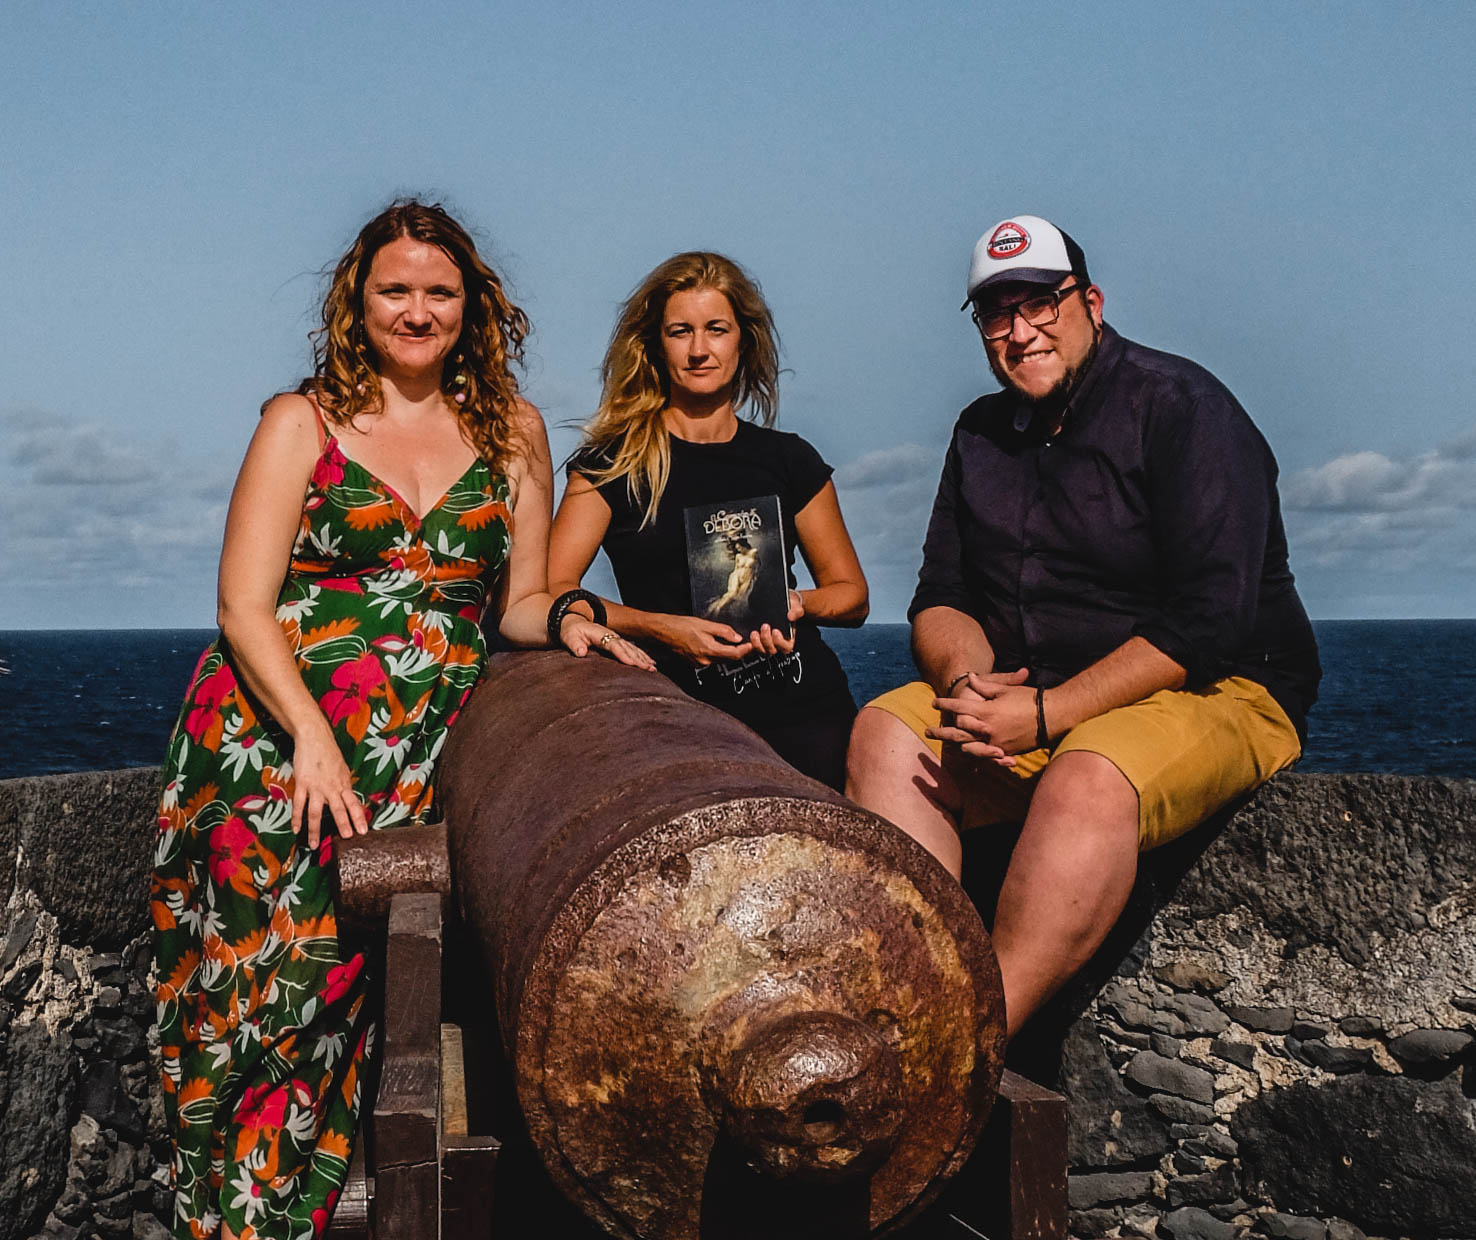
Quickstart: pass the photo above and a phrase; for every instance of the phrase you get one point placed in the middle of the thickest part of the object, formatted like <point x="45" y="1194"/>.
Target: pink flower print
<point x="323" y="1213"/>
<point x="354" y="684"/>
<point x="340" y="978"/>
<point x="262" y="1106"/>
<point x="204" y="723"/>
<point x="229" y="844"/>
<point x="329" y="470"/>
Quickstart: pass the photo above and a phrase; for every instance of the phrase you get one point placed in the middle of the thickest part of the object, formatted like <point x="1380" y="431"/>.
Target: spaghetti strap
<point x="323" y="435"/>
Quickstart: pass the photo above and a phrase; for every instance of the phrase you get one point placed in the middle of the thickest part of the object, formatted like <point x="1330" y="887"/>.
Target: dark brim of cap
<point x="1016" y="275"/>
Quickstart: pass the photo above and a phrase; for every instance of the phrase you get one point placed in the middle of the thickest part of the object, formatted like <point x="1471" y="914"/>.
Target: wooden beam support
<point x="407" y="1113"/>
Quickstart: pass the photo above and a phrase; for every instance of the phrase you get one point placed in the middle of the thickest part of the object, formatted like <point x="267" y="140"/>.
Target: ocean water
<point x="1397" y="695"/>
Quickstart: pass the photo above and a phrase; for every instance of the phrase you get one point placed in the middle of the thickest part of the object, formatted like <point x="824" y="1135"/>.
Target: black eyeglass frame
<point x="1053" y="297"/>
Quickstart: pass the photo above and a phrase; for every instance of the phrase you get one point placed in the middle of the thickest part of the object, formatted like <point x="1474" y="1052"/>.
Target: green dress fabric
<point x="263" y="1024"/>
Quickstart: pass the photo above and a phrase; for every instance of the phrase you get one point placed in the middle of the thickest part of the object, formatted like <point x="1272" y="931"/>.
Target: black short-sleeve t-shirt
<point x="650" y="564"/>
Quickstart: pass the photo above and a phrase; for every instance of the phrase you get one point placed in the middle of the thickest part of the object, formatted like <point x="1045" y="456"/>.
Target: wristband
<point x="1042" y="737"/>
<point x="564" y="602"/>
<point x="954" y="683"/>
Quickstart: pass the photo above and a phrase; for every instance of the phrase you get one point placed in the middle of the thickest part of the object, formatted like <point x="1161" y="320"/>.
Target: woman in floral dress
<point x="372" y="522"/>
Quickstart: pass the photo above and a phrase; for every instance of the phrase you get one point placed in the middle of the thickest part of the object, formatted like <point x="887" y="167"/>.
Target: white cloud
<point x="1368" y="526"/>
<point x="97" y="529"/>
<point x="886" y="497"/>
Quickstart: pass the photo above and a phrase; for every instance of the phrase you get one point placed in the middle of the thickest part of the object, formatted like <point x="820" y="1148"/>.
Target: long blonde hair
<point x="627" y="429"/>
<point x="477" y="376"/>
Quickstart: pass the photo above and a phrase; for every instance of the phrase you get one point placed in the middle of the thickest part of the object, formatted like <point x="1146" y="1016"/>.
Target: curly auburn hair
<point x="345" y="379"/>
<point x="627" y="429"/>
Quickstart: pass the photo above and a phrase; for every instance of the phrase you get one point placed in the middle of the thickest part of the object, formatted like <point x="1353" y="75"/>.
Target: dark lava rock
<point x="1306" y="1030"/>
<point x="22" y="980"/>
<point x="1341" y="1229"/>
<point x="1181" y="1110"/>
<point x="104" y="1098"/>
<point x="1242" y="1054"/>
<point x="1186" y="1162"/>
<point x="1106" y="1122"/>
<point x="1192" y="1223"/>
<point x="1290" y="1227"/>
<point x="33" y="1128"/>
<point x="1360" y="1026"/>
<point x="1130" y="1008"/>
<point x="1197" y="1014"/>
<point x="18" y="938"/>
<point x="1339" y="861"/>
<point x="1338" y="1059"/>
<point x="1184" y="975"/>
<point x="86" y="843"/>
<point x="1217" y="1185"/>
<point x="1429" y="1047"/>
<point x="1169" y="1076"/>
<point x="1395" y="1155"/>
<point x="56" y="1229"/>
<point x="1295" y="1049"/>
<point x="1103" y="1188"/>
<point x="1262" y="1019"/>
<point x="119" y="1038"/>
<point x="1164" y="1045"/>
<point x="1464" y="1000"/>
<point x="1204" y="1139"/>
<point x="1091" y="1224"/>
<point x="147" y="1227"/>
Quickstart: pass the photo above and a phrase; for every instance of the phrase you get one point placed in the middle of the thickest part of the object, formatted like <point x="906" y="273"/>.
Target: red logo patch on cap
<point x="1009" y="239"/>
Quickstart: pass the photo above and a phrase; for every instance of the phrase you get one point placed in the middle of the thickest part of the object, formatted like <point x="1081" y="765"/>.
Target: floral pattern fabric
<point x="263" y="1023"/>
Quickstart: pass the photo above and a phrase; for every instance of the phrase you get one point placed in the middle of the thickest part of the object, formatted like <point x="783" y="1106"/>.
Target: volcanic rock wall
<point x="1277" y="1041"/>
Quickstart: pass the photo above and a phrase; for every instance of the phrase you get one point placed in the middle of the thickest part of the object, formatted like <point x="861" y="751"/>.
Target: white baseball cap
<point x="1024" y="248"/>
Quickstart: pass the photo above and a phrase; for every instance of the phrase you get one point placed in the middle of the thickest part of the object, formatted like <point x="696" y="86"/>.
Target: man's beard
<point x="1061" y="390"/>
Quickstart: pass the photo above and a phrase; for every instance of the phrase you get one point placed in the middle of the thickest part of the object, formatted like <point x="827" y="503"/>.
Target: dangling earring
<point x="458" y="380"/>
<point x="361" y="367"/>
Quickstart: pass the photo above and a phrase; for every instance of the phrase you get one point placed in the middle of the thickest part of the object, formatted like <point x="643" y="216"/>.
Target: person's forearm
<point x="1130" y="673"/>
<point x="263" y="659"/>
<point x="844" y="604"/>
<point x="947" y="643"/>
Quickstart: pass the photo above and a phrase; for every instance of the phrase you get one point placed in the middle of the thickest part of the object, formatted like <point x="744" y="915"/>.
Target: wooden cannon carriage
<point x="730" y="1003"/>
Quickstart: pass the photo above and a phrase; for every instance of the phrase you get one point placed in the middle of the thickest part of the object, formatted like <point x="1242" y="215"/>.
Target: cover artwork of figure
<point x="735" y="558"/>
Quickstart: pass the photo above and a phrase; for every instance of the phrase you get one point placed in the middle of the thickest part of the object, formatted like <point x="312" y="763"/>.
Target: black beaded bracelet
<point x="1042" y="737"/>
<point x="956" y="681"/>
<point x="564" y="602"/>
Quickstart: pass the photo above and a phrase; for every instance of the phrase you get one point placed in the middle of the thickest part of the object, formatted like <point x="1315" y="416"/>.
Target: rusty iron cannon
<point x="722" y="989"/>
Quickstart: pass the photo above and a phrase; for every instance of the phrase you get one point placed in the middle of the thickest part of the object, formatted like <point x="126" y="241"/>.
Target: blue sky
<point x="1283" y="193"/>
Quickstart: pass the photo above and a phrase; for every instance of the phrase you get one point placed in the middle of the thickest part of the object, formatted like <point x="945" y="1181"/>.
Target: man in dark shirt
<point x="1111" y="640"/>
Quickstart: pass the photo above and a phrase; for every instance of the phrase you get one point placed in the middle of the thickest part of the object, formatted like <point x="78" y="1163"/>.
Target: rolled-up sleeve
<point x="1212" y="483"/>
<point x="940" y="581"/>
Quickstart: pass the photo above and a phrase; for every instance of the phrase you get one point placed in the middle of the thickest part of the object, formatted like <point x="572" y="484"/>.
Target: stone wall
<point x="1277" y="1040"/>
<point x="82" y="1141"/>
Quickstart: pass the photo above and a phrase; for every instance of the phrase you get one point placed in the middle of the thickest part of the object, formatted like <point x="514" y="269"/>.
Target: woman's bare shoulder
<point x="290" y="425"/>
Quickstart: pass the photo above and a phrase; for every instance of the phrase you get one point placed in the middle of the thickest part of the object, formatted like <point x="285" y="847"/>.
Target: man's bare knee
<point x="1086" y="787"/>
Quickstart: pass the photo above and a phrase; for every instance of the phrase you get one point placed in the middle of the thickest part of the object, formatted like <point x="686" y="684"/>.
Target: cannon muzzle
<point x="695" y="949"/>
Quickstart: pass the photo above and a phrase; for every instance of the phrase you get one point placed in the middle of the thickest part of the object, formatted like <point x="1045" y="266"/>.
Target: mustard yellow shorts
<point x="1186" y="753"/>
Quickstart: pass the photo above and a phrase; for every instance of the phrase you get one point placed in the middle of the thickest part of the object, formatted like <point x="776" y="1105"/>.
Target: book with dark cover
<point x="736" y="561"/>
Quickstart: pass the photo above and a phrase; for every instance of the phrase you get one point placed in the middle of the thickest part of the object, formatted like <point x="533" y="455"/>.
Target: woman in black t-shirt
<point x="693" y="344"/>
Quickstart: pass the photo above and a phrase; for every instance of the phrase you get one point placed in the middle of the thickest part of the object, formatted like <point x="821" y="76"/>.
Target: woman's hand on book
<point x="701" y="641"/>
<point x="770" y="640"/>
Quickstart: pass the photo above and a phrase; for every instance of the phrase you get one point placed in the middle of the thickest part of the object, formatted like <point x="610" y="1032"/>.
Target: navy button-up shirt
<point x="1152" y="513"/>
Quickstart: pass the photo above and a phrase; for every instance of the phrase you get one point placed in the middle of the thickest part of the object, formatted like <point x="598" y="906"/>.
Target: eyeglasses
<point x="1037" y="311"/>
